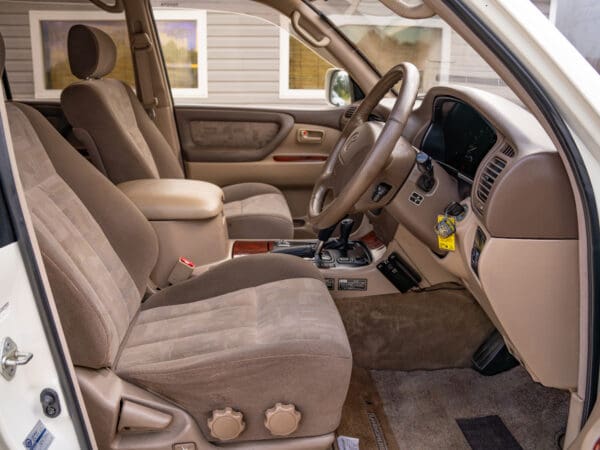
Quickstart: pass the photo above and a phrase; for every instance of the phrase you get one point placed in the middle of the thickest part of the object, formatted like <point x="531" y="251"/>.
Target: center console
<point x="356" y="254"/>
<point x="188" y="218"/>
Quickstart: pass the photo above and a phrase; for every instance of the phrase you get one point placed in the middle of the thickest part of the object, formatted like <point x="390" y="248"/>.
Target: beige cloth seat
<point x="247" y="334"/>
<point x="125" y="144"/>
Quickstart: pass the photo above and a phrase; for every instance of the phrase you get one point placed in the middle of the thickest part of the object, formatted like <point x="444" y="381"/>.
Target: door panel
<point x="236" y="145"/>
<point x="222" y="135"/>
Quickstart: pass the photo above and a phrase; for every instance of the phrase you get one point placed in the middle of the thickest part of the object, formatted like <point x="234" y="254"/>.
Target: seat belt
<point x="142" y="53"/>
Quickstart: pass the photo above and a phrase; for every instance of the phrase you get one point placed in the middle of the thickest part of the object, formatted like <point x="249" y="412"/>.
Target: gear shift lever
<point x="345" y="230"/>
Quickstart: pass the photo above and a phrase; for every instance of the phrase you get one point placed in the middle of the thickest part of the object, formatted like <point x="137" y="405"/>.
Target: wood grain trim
<point x="241" y="248"/>
<point x="372" y="241"/>
<point x="299" y="158"/>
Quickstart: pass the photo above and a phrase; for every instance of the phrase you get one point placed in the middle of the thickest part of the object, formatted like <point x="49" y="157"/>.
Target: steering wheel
<point x="363" y="149"/>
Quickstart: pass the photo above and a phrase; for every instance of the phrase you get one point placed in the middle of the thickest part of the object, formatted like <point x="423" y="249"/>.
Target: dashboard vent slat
<point x="486" y="182"/>
<point x="350" y="112"/>
<point x="508" y="151"/>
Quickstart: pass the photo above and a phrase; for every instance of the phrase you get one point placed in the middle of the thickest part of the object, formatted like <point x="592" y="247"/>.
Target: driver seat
<point x="246" y="335"/>
<point x="125" y="144"/>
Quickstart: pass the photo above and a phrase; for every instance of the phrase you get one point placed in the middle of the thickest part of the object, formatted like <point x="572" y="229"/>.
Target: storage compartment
<point x="188" y="218"/>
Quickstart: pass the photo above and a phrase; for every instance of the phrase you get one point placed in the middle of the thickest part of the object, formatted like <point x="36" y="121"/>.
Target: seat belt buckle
<point x="182" y="270"/>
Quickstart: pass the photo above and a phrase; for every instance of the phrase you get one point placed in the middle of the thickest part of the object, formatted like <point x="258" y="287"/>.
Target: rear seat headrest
<point x="92" y="53"/>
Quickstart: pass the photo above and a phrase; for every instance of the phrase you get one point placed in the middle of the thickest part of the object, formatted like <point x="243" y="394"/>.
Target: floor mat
<point x="488" y="433"/>
<point x="423" y="407"/>
<point x="363" y="416"/>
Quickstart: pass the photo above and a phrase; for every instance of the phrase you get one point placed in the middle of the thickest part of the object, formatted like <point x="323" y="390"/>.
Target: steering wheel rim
<point x="351" y="168"/>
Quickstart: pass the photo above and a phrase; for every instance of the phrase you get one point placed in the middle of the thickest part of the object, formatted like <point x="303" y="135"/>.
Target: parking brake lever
<point x="323" y="237"/>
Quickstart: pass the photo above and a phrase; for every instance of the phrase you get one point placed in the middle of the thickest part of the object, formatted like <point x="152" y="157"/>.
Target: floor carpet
<point x="363" y="416"/>
<point x="423" y="407"/>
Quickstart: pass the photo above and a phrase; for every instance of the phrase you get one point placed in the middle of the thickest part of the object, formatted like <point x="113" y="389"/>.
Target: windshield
<point x="387" y="39"/>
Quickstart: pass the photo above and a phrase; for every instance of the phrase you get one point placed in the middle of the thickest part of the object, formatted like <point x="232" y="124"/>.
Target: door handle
<point x="307" y="136"/>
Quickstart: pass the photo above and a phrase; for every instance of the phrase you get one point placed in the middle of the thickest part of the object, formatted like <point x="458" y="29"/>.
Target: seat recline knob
<point x="282" y="419"/>
<point x="226" y="424"/>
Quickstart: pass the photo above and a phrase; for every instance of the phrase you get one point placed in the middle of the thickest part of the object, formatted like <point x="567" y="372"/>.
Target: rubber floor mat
<point x="488" y="433"/>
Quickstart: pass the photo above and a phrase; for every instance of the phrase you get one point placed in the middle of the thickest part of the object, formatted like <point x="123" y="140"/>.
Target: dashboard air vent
<point x="488" y="177"/>
<point x="508" y="151"/>
<point x="350" y="111"/>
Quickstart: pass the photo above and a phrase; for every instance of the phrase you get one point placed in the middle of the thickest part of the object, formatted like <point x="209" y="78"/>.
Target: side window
<point x="49" y="30"/>
<point x="245" y="55"/>
<point x="35" y="34"/>
<point x="36" y="46"/>
<point x="301" y="70"/>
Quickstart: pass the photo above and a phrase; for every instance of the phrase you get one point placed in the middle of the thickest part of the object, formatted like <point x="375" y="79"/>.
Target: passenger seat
<point x="241" y="348"/>
<point x="125" y="144"/>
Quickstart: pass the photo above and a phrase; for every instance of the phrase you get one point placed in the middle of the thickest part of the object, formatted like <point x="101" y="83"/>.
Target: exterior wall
<point x="243" y="52"/>
<point x="14" y="26"/>
<point x="578" y="20"/>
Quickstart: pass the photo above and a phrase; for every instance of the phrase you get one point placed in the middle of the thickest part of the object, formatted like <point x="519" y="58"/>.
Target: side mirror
<point x="339" y="87"/>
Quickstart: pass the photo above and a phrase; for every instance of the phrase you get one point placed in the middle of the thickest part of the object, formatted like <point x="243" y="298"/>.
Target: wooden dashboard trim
<point x="299" y="158"/>
<point x="242" y="248"/>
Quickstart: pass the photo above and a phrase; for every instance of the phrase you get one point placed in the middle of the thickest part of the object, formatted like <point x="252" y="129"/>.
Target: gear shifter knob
<point x="345" y="230"/>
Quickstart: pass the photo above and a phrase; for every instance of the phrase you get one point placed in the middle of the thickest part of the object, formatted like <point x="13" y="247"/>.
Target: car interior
<point x="403" y="269"/>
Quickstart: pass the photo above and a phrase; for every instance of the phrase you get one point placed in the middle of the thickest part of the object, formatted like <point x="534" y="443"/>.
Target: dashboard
<point x="517" y="244"/>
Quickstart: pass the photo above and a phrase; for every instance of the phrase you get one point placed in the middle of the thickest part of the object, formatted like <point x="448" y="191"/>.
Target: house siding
<point x="242" y="52"/>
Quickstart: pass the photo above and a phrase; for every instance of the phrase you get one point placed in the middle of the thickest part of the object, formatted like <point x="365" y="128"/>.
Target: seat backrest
<point x="108" y="118"/>
<point x="98" y="249"/>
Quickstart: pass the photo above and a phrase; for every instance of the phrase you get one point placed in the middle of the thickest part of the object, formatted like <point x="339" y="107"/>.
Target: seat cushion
<point x="280" y="341"/>
<point x="257" y="211"/>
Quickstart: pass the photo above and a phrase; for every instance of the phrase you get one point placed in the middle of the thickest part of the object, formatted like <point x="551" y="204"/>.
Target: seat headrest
<point x="92" y="53"/>
<point x="2" y="54"/>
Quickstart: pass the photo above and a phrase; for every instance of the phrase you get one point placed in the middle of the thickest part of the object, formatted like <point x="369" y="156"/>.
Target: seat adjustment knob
<point x="226" y="424"/>
<point x="282" y="419"/>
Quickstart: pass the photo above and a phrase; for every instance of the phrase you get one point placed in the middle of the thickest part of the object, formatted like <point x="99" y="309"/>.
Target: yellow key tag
<point x="447" y="243"/>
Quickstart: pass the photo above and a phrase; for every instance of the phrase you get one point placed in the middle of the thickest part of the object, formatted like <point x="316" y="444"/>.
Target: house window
<point x="182" y="34"/>
<point x="301" y="70"/>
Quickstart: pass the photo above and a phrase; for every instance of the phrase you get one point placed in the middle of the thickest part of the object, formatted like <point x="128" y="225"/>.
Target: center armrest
<point x="175" y="199"/>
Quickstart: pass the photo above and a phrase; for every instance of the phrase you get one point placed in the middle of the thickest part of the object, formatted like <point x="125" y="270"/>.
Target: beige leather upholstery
<point x="257" y="340"/>
<point x="126" y="145"/>
<point x="169" y="199"/>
